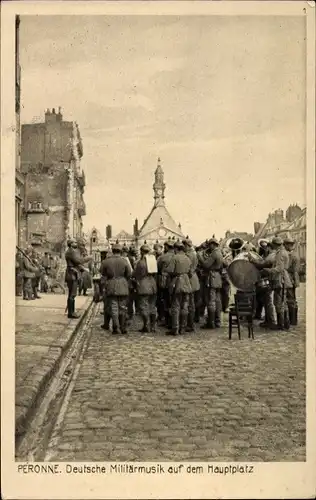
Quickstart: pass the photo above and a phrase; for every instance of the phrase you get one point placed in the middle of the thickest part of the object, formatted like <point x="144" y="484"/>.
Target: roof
<point x="123" y="235"/>
<point x="159" y="217"/>
<point x="299" y="222"/>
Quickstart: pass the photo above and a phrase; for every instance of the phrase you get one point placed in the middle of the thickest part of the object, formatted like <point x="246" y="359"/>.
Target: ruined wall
<point x="49" y="188"/>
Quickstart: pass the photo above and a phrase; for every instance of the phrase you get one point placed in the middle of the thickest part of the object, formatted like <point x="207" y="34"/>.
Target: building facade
<point x="293" y="225"/>
<point x="157" y="227"/>
<point x="51" y="154"/>
<point x="19" y="177"/>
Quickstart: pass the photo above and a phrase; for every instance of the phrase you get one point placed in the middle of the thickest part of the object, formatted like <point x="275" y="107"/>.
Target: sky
<point x="221" y="100"/>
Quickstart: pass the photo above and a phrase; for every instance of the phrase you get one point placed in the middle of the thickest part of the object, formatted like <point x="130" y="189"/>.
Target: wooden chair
<point x="244" y="308"/>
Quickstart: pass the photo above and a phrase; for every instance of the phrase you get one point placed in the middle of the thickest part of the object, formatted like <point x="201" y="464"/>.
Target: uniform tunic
<point x="275" y="266"/>
<point x="117" y="273"/>
<point x="29" y="271"/>
<point x="178" y="270"/>
<point x="146" y="287"/>
<point x="212" y="263"/>
<point x="195" y="284"/>
<point x="74" y="265"/>
<point x="163" y="262"/>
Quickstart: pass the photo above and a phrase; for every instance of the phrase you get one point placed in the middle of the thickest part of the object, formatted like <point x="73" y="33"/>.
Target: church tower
<point x="159" y="186"/>
<point x="159" y="225"/>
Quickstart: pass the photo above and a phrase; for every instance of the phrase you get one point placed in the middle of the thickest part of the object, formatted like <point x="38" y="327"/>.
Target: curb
<point x="43" y="374"/>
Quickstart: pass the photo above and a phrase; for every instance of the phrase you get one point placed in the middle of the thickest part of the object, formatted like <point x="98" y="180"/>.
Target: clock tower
<point x="159" y="226"/>
<point x="159" y="186"/>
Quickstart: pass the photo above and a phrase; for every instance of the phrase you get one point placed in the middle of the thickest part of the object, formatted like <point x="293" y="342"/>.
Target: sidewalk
<point x="43" y="332"/>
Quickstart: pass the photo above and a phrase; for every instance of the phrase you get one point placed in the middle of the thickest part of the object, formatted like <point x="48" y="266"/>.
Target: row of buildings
<point x="49" y="179"/>
<point x="291" y="224"/>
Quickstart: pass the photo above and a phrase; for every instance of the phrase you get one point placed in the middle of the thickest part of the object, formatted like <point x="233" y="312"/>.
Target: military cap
<point x="116" y="248"/>
<point x="145" y="248"/>
<point x="277" y="241"/>
<point x="169" y="243"/>
<point x="187" y="242"/>
<point x="212" y="241"/>
<point x="157" y="246"/>
<point x="289" y="241"/>
<point x="179" y="245"/>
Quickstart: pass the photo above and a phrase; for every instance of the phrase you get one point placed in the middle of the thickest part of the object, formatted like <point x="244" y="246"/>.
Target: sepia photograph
<point x="160" y="240"/>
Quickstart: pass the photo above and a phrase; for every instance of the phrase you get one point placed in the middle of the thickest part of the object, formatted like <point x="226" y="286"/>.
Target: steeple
<point x="159" y="186"/>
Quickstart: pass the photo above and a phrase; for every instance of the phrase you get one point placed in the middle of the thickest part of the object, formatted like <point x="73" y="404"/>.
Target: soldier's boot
<point x="225" y="302"/>
<point x="71" y="309"/>
<point x="116" y="325"/>
<point x="122" y="320"/>
<point x="145" y="328"/>
<point x="183" y="322"/>
<point x="295" y="316"/>
<point x="190" y="324"/>
<point x="258" y="314"/>
<point x="286" y="320"/>
<point x="106" y="324"/>
<point x="280" y="321"/>
<point x="217" y="319"/>
<point x="153" y="322"/>
<point x="174" y="330"/>
<point x="210" y="323"/>
<point x="167" y="319"/>
<point x="197" y="315"/>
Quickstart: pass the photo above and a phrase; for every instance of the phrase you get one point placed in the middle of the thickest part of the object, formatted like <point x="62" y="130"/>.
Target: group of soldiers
<point x="31" y="271"/>
<point x="175" y="283"/>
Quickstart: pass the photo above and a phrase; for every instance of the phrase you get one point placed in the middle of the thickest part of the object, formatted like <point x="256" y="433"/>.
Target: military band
<point x="178" y="284"/>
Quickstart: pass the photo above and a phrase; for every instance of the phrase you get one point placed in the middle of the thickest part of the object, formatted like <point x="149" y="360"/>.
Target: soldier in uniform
<point x="117" y="272"/>
<point x="38" y="273"/>
<point x="225" y="291"/>
<point x="195" y="284"/>
<point x="211" y="261"/>
<point x="202" y="276"/>
<point x="132" y="256"/>
<point x="261" y="294"/>
<point x="75" y="263"/>
<point x="146" y="291"/>
<point x="179" y="270"/>
<point x="163" y="279"/>
<point x="293" y="271"/>
<point x="29" y="269"/>
<point x="158" y="251"/>
<point x="275" y="267"/>
<point x="106" y="309"/>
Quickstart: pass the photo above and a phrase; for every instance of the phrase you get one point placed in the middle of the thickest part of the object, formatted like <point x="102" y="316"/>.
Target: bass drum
<point x="243" y="274"/>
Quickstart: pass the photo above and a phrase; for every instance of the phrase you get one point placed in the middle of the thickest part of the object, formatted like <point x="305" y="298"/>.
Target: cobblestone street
<point x="196" y="397"/>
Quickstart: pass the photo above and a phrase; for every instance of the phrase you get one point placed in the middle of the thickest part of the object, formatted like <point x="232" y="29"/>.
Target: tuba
<point x="235" y="244"/>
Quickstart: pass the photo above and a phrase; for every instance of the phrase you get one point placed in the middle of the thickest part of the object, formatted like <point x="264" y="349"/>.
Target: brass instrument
<point x="235" y="243"/>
